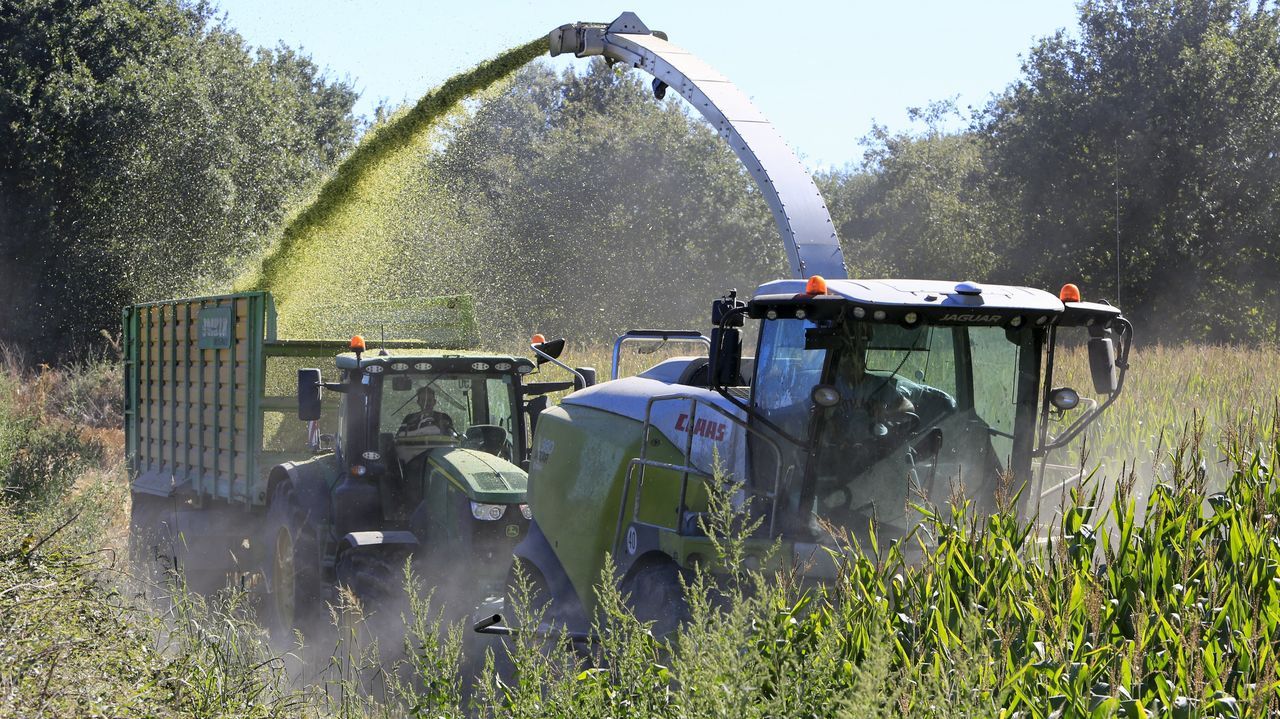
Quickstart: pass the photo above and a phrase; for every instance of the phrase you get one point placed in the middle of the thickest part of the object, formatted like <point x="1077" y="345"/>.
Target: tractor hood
<point x="481" y="476"/>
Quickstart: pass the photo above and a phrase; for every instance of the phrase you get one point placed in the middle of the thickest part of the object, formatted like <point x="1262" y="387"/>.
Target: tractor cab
<point x="871" y="396"/>
<point x="428" y="458"/>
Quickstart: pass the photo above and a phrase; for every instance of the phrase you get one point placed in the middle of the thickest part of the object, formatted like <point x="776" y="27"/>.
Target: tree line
<point x="1138" y="157"/>
<point x="145" y="151"/>
<point x="148" y="151"/>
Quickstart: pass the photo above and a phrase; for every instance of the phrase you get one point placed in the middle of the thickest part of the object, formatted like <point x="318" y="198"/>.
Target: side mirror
<point x="550" y="348"/>
<point x="725" y="361"/>
<point x="1102" y="364"/>
<point x="308" y="394"/>
<point x="824" y="395"/>
<point x="588" y="375"/>
<point x="535" y="407"/>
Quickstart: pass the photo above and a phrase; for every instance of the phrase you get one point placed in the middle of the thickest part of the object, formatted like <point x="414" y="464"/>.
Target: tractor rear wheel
<point x="293" y="599"/>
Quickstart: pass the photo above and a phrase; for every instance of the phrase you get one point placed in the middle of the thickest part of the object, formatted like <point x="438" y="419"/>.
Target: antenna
<point x="1115" y="164"/>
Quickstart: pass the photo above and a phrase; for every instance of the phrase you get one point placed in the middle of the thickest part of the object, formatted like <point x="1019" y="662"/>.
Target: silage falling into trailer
<point x="343" y="247"/>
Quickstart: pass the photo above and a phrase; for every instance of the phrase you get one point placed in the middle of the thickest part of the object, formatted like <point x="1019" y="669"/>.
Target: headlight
<point x="488" y="512"/>
<point x="524" y="510"/>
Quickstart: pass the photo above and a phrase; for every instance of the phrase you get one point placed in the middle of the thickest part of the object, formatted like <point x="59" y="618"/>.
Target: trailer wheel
<point x="293" y="554"/>
<point x="653" y="593"/>
<point x="151" y="535"/>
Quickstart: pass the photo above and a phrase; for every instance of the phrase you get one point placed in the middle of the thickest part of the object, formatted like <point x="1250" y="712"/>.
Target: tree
<point x="1169" y="111"/>
<point x="146" y="149"/>
<point x="603" y="207"/>
<point x="919" y="206"/>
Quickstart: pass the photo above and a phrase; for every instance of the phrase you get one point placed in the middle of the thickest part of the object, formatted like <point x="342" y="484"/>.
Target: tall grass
<point x="1157" y="603"/>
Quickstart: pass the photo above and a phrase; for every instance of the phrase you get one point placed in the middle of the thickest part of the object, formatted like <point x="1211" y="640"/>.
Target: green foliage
<point x="921" y="206"/>
<point x="603" y="207"/>
<point x="41" y="452"/>
<point x="85" y="639"/>
<point x="1133" y="602"/>
<point x="40" y="462"/>
<point x="1167" y="108"/>
<point x="1155" y="121"/>
<point x="146" y="149"/>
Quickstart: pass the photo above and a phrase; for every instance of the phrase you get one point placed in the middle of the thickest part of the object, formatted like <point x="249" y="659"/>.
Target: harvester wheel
<point x="655" y="594"/>
<point x="294" y="598"/>
<point x="537" y="593"/>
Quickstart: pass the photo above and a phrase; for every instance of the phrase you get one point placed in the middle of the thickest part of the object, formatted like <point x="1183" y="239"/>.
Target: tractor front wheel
<point x="372" y="575"/>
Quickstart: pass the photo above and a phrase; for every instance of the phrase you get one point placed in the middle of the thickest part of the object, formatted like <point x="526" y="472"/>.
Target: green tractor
<point x="414" y="452"/>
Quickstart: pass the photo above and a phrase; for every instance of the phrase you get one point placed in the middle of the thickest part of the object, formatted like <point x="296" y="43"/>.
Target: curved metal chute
<point x="803" y="221"/>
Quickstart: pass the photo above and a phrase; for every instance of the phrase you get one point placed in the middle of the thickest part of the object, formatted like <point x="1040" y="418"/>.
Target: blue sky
<point x="822" y="72"/>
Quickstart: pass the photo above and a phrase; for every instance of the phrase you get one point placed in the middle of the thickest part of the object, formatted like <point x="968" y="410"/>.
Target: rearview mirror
<point x="401" y="382"/>
<point x="588" y="375"/>
<point x="550" y="348"/>
<point x="825" y="395"/>
<point x="308" y="394"/>
<point x="1102" y="364"/>
<point x="725" y="360"/>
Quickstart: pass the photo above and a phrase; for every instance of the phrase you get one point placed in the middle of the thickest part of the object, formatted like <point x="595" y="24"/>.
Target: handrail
<point x="652" y="336"/>
<point x="685" y="470"/>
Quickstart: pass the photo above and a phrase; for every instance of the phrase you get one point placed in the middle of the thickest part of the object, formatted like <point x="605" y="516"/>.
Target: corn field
<point x="1154" y="591"/>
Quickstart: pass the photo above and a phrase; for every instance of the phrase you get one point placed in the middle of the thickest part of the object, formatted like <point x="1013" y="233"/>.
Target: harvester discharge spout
<point x="805" y="225"/>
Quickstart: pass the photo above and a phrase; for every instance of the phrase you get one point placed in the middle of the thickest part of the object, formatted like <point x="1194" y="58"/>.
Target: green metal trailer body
<point x="209" y="389"/>
<point x="198" y="406"/>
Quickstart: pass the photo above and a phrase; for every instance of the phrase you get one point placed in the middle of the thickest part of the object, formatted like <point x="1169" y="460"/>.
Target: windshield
<point x="921" y="414"/>
<point x="419" y="410"/>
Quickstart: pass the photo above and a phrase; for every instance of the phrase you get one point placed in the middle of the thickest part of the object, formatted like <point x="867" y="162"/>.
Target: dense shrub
<point x="51" y="426"/>
<point x="40" y="462"/>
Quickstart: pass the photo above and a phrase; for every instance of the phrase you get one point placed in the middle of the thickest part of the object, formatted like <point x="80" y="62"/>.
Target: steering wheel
<point x="899" y="426"/>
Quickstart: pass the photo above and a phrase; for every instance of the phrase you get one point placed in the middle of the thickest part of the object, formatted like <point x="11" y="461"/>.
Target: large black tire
<point x="653" y="592"/>
<point x="539" y="594"/>
<point x="151" y="536"/>
<point x="374" y="575"/>
<point x="294" y="597"/>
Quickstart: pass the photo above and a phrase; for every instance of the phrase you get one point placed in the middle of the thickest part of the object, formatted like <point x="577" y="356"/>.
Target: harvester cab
<point x="871" y="395"/>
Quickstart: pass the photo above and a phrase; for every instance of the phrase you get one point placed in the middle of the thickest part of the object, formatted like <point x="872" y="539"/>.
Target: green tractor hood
<point x="481" y="476"/>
